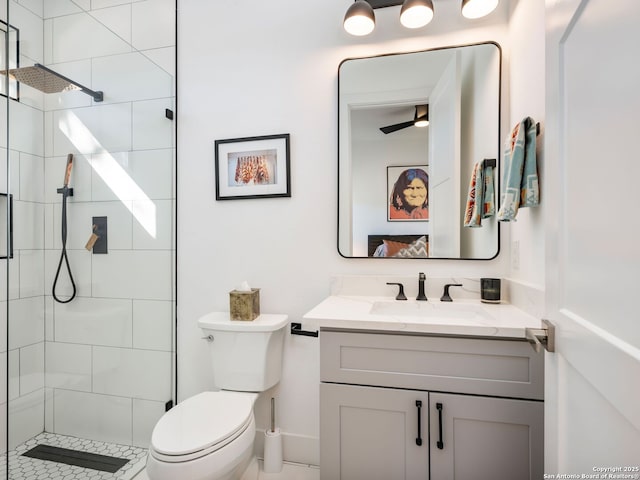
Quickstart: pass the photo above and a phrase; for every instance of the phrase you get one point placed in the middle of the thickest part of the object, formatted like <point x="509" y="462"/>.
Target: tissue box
<point x="244" y="305"/>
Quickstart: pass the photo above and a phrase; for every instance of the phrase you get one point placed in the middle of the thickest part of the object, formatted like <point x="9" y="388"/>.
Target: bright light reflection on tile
<point x="111" y="172"/>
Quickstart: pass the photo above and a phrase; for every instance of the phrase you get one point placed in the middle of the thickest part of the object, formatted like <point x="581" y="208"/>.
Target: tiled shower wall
<point x="99" y="367"/>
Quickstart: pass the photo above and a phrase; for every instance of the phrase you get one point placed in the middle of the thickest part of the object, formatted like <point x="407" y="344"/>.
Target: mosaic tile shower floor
<point x="25" y="468"/>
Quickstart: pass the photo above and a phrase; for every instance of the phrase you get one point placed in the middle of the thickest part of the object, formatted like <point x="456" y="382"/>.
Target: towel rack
<point x="490" y="162"/>
<point x="296" y="329"/>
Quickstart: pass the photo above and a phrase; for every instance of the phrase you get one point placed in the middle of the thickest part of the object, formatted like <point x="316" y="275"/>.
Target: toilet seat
<point x="201" y="425"/>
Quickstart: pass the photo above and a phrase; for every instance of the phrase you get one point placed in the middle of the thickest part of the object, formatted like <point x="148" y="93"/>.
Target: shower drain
<point x="93" y="461"/>
<point x="63" y="464"/>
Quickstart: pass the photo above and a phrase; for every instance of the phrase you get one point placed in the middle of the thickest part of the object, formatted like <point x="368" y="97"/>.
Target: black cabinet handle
<point x="440" y="443"/>
<point x="419" y="437"/>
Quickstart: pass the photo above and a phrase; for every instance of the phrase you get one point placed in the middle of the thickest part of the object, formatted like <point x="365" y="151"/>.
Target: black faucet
<point x="445" y="295"/>
<point x="401" y="295"/>
<point x="421" y="296"/>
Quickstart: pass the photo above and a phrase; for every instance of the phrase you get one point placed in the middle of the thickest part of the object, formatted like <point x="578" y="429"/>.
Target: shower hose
<point x="66" y="192"/>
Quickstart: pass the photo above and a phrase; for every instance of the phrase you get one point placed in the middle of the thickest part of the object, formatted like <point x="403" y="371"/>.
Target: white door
<point x="590" y="183"/>
<point x="445" y="214"/>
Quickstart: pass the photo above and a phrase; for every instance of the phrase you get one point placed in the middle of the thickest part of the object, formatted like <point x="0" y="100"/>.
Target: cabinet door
<point x="481" y="438"/>
<point x="372" y="433"/>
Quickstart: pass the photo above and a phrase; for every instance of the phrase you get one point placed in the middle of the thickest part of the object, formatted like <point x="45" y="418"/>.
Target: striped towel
<point x="520" y="181"/>
<point x="480" y="200"/>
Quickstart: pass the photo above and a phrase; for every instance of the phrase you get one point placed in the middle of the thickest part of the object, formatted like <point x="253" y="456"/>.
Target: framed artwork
<point x="252" y="167"/>
<point x="408" y="193"/>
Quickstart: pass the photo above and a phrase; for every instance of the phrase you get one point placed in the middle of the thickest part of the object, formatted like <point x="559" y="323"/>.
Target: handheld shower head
<point x="67" y="171"/>
<point x="65" y="191"/>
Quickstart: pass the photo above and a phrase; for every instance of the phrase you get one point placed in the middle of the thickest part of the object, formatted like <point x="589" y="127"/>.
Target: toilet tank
<point x="246" y="355"/>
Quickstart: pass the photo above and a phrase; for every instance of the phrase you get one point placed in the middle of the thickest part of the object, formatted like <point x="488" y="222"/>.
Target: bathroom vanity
<point x="421" y="390"/>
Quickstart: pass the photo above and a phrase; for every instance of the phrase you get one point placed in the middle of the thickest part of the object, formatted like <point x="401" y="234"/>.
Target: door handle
<point x="419" y="437"/>
<point x="439" y="443"/>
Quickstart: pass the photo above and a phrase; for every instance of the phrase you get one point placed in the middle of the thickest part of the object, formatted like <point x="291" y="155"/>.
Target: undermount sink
<point x="429" y="310"/>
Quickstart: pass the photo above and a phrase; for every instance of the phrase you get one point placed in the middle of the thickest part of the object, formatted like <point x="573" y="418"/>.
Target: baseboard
<point x="295" y="448"/>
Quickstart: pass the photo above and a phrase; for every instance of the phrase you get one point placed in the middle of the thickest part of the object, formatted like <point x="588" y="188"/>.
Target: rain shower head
<point x="47" y="81"/>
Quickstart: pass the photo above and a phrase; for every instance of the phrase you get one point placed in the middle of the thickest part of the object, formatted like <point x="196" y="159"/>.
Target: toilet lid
<point x="202" y="421"/>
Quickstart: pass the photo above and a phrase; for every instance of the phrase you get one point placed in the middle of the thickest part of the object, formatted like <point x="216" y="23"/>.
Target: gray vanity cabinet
<point x="398" y="406"/>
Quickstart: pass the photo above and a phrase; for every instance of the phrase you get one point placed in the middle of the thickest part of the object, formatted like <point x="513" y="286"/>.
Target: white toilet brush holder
<point x="272" y="446"/>
<point x="272" y="451"/>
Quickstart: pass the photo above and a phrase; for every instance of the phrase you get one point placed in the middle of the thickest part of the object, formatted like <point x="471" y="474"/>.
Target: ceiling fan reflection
<point x="420" y="119"/>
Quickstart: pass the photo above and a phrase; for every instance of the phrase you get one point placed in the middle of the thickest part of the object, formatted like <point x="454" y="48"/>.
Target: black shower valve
<point x="65" y="191"/>
<point x="99" y="225"/>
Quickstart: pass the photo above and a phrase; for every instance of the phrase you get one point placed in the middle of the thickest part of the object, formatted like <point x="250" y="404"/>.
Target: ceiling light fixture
<point x="359" y="19"/>
<point x="478" y="8"/>
<point x="416" y="13"/>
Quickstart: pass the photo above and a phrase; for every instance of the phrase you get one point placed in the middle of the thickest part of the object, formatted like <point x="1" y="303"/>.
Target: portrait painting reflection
<point x="409" y="199"/>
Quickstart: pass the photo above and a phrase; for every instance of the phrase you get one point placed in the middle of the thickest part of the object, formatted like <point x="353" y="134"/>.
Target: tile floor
<point x="26" y="468"/>
<point x="290" y="471"/>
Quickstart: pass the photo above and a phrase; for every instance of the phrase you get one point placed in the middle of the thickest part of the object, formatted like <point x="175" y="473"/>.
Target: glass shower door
<point x="89" y="294"/>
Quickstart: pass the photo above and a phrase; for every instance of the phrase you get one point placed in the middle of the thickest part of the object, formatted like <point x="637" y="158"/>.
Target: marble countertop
<point x="461" y="317"/>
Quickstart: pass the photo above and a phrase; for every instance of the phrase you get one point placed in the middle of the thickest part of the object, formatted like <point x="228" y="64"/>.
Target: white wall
<point x="258" y="68"/>
<point x="526" y="74"/>
<point x="479" y="88"/>
<point x="369" y="205"/>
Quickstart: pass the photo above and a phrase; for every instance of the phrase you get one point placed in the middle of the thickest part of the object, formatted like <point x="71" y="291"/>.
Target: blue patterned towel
<point x="520" y="179"/>
<point x="480" y="200"/>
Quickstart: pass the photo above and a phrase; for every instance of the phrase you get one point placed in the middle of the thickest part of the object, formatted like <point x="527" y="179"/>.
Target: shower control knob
<point x="208" y="338"/>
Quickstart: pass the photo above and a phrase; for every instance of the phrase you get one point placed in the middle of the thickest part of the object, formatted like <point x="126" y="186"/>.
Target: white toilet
<point x="210" y="435"/>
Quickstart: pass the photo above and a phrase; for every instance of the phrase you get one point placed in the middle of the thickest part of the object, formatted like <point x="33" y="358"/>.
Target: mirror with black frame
<point x="403" y="186"/>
